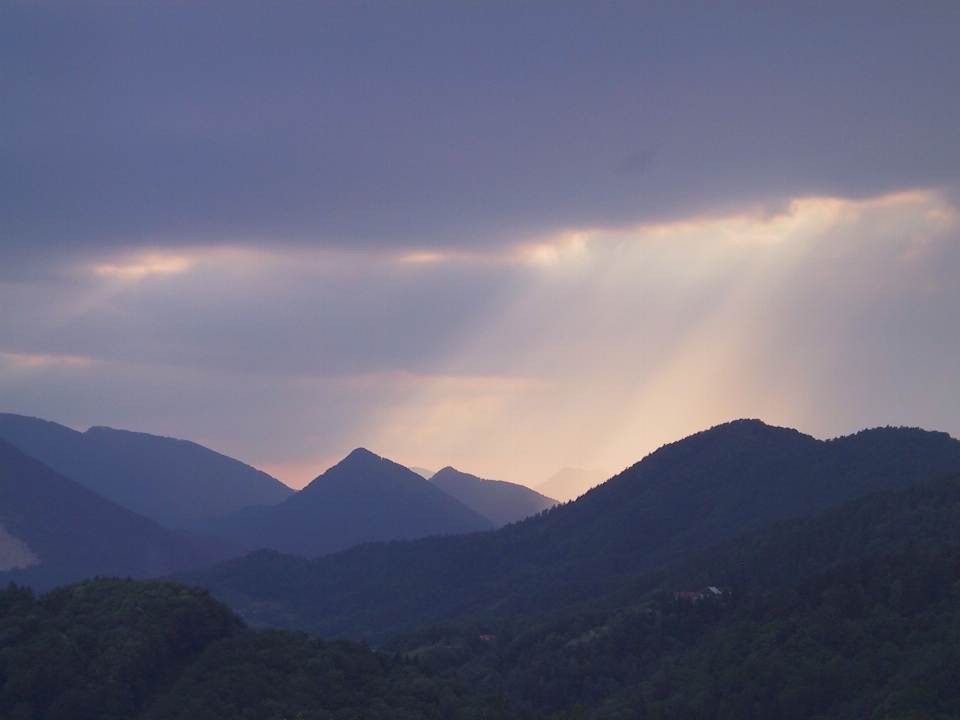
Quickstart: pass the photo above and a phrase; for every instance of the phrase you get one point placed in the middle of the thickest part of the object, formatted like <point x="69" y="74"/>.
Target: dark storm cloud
<point x="430" y="125"/>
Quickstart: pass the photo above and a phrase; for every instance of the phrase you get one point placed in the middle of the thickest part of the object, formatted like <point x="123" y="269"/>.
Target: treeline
<point x="155" y="650"/>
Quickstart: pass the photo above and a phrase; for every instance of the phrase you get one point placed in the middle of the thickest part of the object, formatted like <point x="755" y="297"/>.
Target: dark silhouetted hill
<point x="58" y="531"/>
<point x="501" y="502"/>
<point x="675" y="503"/>
<point x="877" y="638"/>
<point x="165" y="479"/>
<point x="363" y="498"/>
<point x="155" y="650"/>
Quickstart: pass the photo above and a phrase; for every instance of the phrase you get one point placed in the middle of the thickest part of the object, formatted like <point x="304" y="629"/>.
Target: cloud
<point x="589" y="347"/>
<point x="149" y="265"/>
<point x="435" y="129"/>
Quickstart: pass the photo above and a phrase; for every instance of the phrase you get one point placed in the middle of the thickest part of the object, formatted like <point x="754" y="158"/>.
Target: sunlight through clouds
<point x="649" y="334"/>
<point x="587" y="348"/>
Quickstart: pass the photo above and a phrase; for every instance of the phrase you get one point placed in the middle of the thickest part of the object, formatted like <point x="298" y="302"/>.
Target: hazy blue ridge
<point x="74" y="533"/>
<point x="677" y="502"/>
<point x="502" y="502"/>
<point x="165" y="479"/>
<point x="363" y="498"/>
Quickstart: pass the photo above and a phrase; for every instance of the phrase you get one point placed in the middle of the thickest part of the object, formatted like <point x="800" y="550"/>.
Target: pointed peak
<point x="361" y="452"/>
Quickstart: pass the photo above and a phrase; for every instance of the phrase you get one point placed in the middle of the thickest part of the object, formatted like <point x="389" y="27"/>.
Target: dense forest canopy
<point x="158" y="650"/>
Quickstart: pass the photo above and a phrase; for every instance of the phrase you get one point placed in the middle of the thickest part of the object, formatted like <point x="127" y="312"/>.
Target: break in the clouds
<point x="504" y="236"/>
<point x="588" y="348"/>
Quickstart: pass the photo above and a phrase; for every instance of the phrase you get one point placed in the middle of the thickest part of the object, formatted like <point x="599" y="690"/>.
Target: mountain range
<point x="832" y="569"/>
<point x="499" y="501"/>
<point x="675" y="503"/>
<point x="362" y="498"/>
<point x="171" y="481"/>
<point x="53" y="531"/>
<point x="177" y="483"/>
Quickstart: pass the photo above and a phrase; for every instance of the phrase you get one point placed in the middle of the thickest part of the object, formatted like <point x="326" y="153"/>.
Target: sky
<point x="504" y="236"/>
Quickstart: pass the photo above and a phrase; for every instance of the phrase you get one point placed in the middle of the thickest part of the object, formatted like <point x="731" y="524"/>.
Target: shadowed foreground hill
<point x="878" y="638"/>
<point x="165" y="479"/>
<point x="501" y="502"/>
<point x="151" y="650"/>
<point x="62" y="532"/>
<point x="363" y="498"/>
<point x="676" y="502"/>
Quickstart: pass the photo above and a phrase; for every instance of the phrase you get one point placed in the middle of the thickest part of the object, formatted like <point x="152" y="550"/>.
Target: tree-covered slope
<point x="925" y="516"/>
<point x="502" y="502"/>
<point x="130" y="650"/>
<point x="363" y="498"/>
<point x="878" y="638"/>
<point x="165" y="479"/>
<point x="73" y="533"/>
<point x="673" y="504"/>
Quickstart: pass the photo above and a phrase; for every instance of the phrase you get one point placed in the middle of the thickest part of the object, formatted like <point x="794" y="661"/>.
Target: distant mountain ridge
<point x="502" y="502"/>
<point x="56" y="531"/>
<point x="570" y="483"/>
<point x="168" y="480"/>
<point x="363" y="498"/>
<point x="675" y="503"/>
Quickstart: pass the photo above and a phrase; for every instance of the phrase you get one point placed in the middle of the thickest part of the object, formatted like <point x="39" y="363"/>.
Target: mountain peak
<point x="361" y="453"/>
<point x="362" y="498"/>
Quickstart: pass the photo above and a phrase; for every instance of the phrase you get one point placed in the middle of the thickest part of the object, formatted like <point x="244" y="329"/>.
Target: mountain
<point x="865" y="591"/>
<point x="675" y="503"/>
<point x="157" y="650"/>
<point x="165" y="479"/>
<point x="423" y="472"/>
<point x="502" y="502"/>
<point x="570" y="483"/>
<point x="54" y="530"/>
<point x="364" y="497"/>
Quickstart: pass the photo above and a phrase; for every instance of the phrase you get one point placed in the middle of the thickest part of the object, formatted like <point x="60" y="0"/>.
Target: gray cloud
<point x="432" y="125"/>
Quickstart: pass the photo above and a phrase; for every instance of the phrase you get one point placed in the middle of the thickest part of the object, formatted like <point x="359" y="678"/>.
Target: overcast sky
<point x="507" y="237"/>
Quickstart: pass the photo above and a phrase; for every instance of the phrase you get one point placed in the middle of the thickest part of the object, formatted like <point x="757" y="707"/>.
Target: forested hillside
<point x="850" y="612"/>
<point x="674" y="504"/>
<point x="925" y="516"/>
<point x="130" y="650"/>
<point x="879" y="638"/>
